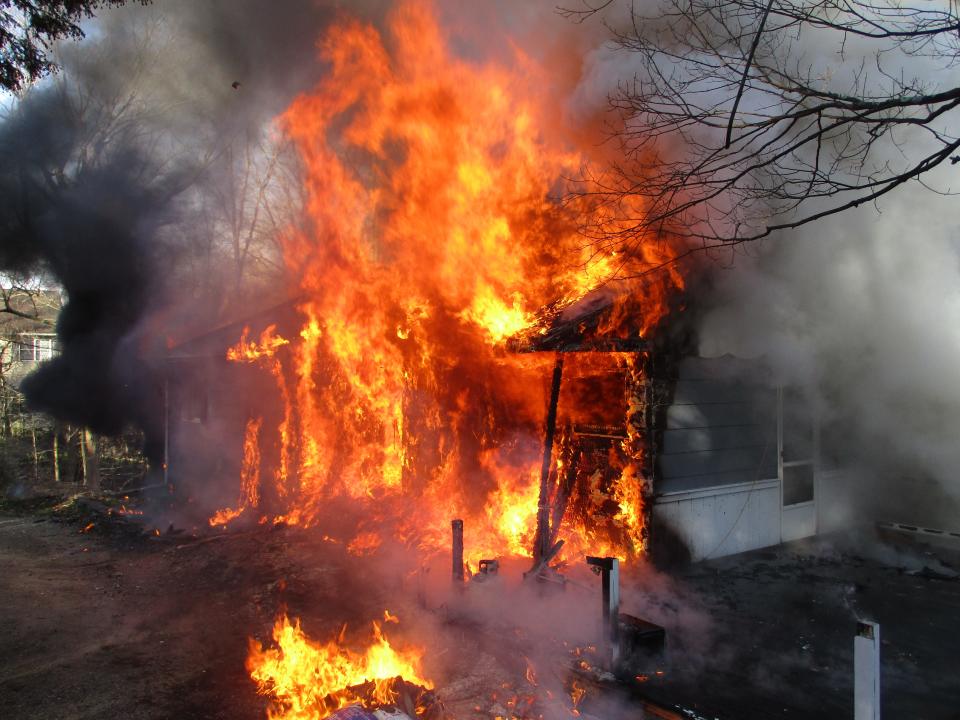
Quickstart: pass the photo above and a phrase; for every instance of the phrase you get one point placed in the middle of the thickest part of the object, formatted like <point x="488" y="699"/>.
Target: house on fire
<point x="730" y="461"/>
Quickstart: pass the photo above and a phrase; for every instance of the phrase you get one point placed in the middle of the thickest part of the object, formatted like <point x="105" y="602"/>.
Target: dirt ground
<point x="93" y="629"/>
<point x="782" y="620"/>
<point x="109" y="623"/>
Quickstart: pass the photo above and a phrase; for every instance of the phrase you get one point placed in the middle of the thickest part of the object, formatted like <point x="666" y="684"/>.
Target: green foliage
<point x="28" y="29"/>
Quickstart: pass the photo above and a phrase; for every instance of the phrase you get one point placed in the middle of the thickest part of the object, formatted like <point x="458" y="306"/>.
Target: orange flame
<point x="435" y="232"/>
<point x="309" y="680"/>
<point x="251" y="351"/>
<point x="364" y="543"/>
<point x="577" y="693"/>
<point x="249" y="476"/>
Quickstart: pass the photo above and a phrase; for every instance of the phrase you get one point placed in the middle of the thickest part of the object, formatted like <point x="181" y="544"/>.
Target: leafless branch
<point x="741" y="123"/>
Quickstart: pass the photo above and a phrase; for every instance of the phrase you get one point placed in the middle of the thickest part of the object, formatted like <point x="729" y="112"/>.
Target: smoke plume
<point x="865" y="307"/>
<point x="125" y="175"/>
<point x="109" y="170"/>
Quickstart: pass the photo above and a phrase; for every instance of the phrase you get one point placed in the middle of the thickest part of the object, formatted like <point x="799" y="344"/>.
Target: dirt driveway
<point x="92" y="630"/>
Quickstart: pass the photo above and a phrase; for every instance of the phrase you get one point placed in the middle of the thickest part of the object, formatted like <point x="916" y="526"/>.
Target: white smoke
<point x="866" y="306"/>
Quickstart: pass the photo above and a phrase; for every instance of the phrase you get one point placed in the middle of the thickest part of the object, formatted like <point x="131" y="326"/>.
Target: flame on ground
<point x="435" y="232"/>
<point x="308" y="680"/>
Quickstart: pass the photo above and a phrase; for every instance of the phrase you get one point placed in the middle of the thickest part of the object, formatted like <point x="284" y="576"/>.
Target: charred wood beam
<point x="456" y="527"/>
<point x="540" y="565"/>
<point x="564" y="489"/>
<point x="542" y="538"/>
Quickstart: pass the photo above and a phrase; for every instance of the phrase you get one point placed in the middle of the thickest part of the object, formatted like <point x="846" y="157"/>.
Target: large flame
<point x="436" y="231"/>
<point x="309" y="680"/>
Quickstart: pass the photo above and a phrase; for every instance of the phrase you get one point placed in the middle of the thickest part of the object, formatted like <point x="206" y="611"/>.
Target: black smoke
<point x="88" y="218"/>
<point x="103" y="169"/>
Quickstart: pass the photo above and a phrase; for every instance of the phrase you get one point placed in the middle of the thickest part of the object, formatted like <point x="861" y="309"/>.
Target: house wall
<point x="208" y="402"/>
<point x="718" y="486"/>
<point x="720" y="427"/>
<point x="724" y="520"/>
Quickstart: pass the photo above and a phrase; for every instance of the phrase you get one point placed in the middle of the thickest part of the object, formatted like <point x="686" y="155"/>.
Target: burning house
<point x="431" y="241"/>
<point x="483" y="404"/>
<point x="458" y="348"/>
<point x="643" y="448"/>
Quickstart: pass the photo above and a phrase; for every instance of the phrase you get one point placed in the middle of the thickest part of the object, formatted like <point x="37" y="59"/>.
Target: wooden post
<point x="166" y="431"/>
<point x="866" y="671"/>
<point x="56" y="454"/>
<point x="564" y="485"/>
<point x="91" y="465"/>
<point x="457" y="527"/>
<point x="36" y="456"/>
<point x="542" y="540"/>
<point x="610" y="576"/>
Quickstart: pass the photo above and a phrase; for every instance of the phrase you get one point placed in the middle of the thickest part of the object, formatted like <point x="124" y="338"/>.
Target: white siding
<point x="723" y="520"/>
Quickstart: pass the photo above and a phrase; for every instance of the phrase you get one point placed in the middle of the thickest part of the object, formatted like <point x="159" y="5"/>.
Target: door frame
<point x="798" y="520"/>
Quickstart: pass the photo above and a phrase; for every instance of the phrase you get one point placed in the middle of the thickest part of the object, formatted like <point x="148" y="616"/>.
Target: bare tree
<point x="747" y="117"/>
<point x="26" y="297"/>
<point x="252" y="198"/>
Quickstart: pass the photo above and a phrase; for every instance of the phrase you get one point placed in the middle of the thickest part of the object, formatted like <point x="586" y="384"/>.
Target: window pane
<point x="26" y="349"/>
<point x="797" y="426"/>
<point x="797" y="484"/>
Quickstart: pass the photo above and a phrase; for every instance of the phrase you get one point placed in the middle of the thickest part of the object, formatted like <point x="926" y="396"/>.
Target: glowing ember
<point x="124" y="510"/>
<point x="577" y="693"/>
<point x="531" y="673"/>
<point x="435" y="233"/>
<point x="309" y="680"/>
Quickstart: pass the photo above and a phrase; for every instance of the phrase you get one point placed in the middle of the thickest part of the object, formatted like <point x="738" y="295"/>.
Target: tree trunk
<point x="56" y="454"/>
<point x="91" y="466"/>
<point x="5" y="399"/>
<point x="74" y="463"/>
<point x="36" y="456"/>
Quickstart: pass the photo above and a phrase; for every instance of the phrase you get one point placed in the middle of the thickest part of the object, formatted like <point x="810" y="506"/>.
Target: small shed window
<point x="797" y="484"/>
<point x="194" y="407"/>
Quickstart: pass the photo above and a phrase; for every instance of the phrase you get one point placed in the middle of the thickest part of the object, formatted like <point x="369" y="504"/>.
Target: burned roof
<point x="584" y="326"/>
<point x="214" y="343"/>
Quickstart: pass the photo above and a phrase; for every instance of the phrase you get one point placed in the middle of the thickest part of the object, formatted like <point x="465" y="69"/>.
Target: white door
<point x="795" y="438"/>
